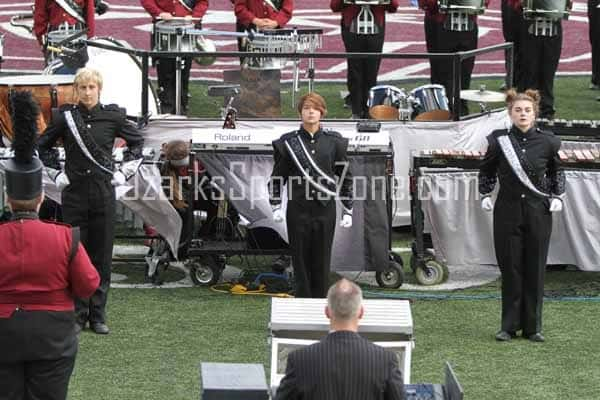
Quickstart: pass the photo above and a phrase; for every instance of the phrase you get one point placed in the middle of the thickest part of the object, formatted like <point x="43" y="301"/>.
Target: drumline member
<point x="88" y="131"/>
<point x="51" y="15"/>
<point x="524" y="160"/>
<point x="362" y="72"/>
<point x="542" y="49"/>
<point x="309" y="160"/>
<point x="165" y="67"/>
<point x="252" y="15"/>
<point x="442" y="37"/>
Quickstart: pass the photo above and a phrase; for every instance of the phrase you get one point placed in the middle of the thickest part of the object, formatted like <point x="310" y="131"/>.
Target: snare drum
<point x="49" y="91"/>
<point x="269" y="44"/>
<point x="388" y="103"/>
<point x="547" y="9"/>
<point x="59" y="38"/>
<point x="122" y="77"/>
<point x="167" y="33"/>
<point x="430" y="103"/>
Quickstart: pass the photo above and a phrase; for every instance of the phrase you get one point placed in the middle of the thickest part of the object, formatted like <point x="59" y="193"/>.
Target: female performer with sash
<point x="524" y="160"/>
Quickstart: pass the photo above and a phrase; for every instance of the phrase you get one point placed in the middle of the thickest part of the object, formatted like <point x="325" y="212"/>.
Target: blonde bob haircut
<point x="315" y="100"/>
<point x="85" y="75"/>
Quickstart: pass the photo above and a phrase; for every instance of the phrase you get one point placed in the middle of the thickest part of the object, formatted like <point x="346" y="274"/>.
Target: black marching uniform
<point x="594" y="31"/>
<point x="512" y="27"/>
<point x="540" y="55"/>
<point x="89" y="200"/>
<point x="311" y="207"/>
<point x="522" y="220"/>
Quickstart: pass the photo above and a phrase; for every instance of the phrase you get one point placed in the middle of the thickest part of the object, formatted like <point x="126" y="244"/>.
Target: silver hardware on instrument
<point x="460" y="13"/>
<point x="545" y="14"/>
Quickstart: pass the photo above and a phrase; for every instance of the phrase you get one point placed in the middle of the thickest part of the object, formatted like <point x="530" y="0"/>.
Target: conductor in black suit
<point x="343" y="365"/>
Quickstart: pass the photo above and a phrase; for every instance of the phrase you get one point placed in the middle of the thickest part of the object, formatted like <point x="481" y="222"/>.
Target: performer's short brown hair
<point x="530" y="95"/>
<point x="314" y="99"/>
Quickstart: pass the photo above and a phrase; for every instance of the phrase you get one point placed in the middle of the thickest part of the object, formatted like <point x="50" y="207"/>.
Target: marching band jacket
<point x="247" y="10"/>
<point x="49" y="14"/>
<point x="38" y="281"/>
<point x="323" y="159"/>
<point x="535" y="154"/>
<point x="350" y="11"/>
<point x="177" y="8"/>
<point x="98" y="128"/>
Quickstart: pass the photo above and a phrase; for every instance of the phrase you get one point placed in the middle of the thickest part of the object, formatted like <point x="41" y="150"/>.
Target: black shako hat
<point x="23" y="172"/>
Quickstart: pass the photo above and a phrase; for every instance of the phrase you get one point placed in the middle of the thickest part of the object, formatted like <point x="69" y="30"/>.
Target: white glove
<point x="487" y="204"/>
<point x="118" y="178"/>
<point x="346" y="221"/>
<point x="278" y="215"/>
<point x="61" y="180"/>
<point x="556" y="205"/>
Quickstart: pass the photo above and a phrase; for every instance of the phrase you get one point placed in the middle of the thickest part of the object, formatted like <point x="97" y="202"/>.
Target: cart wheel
<point x="204" y="271"/>
<point x="392" y="277"/>
<point x="432" y="273"/>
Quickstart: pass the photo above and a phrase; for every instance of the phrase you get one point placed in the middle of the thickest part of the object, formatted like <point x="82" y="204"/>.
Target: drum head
<point x="386" y="113"/>
<point x="434" y="115"/>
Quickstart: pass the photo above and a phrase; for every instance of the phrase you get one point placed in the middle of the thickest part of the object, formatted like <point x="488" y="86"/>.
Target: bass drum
<point x="122" y="76"/>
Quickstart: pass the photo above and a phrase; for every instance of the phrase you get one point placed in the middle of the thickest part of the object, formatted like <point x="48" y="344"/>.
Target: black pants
<point x="311" y="226"/>
<point x="450" y="42"/>
<point x="37" y="354"/>
<point x="362" y="72"/>
<point x="540" y="61"/>
<point x="36" y="380"/>
<point x="594" y="32"/>
<point x="165" y="69"/>
<point x="90" y="205"/>
<point x="431" y="37"/>
<point x="512" y="22"/>
<point x="522" y="229"/>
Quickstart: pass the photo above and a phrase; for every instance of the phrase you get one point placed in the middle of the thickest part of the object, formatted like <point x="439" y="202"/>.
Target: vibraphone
<point x="586" y="130"/>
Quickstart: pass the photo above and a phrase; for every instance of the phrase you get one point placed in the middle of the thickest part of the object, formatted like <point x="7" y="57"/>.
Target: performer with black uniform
<point x="165" y="67"/>
<point x="593" y="13"/>
<point x="524" y="160"/>
<point x="308" y="160"/>
<point x="542" y="46"/>
<point x="88" y="131"/>
<point x="363" y="31"/>
<point x="443" y="36"/>
<point x="43" y="267"/>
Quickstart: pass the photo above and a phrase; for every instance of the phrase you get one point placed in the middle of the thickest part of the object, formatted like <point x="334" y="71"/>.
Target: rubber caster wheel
<point x="392" y="277"/>
<point x="205" y="271"/>
<point x="432" y="273"/>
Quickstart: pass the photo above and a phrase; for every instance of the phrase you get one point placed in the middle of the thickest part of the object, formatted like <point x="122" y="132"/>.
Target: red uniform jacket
<point x="47" y="13"/>
<point x="35" y="273"/>
<point x="247" y="10"/>
<point x="350" y="11"/>
<point x="174" y="7"/>
<point x="432" y="11"/>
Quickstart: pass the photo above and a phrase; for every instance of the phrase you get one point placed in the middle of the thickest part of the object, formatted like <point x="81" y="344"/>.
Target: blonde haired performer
<point x="88" y="130"/>
<point x="524" y="160"/>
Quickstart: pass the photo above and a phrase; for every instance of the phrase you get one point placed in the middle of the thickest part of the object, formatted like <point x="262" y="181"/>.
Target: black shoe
<point x="503" y="336"/>
<point x="99" y="328"/>
<point x="347" y="101"/>
<point x="536" y="337"/>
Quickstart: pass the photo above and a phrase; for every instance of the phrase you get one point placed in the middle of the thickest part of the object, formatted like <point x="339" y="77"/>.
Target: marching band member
<point x="542" y="50"/>
<point x="165" y="67"/>
<point x="362" y="72"/>
<point x="442" y="37"/>
<point x="594" y="32"/>
<point x="49" y="15"/>
<point x="88" y="131"/>
<point x="308" y="160"/>
<point x="524" y="160"/>
<point x="43" y="267"/>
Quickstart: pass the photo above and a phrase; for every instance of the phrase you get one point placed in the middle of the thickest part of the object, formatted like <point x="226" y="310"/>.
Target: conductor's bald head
<point x="344" y="305"/>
